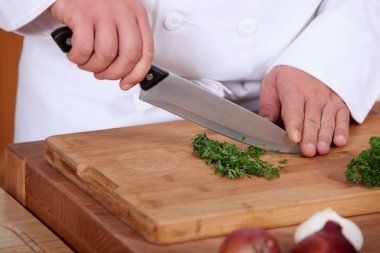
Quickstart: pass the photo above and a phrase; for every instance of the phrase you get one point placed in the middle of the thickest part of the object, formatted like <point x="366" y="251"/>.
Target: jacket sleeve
<point x="27" y="17"/>
<point x="341" y="48"/>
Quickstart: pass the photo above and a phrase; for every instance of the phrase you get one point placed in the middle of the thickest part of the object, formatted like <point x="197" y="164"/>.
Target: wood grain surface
<point x="22" y="232"/>
<point x="80" y="220"/>
<point x="14" y="173"/>
<point x="59" y="203"/>
<point x="149" y="178"/>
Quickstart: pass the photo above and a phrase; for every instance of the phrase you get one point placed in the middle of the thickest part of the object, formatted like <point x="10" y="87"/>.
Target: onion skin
<point x="327" y="240"/>
<point x="250" y="240"/>
<point x="314" y="223"/>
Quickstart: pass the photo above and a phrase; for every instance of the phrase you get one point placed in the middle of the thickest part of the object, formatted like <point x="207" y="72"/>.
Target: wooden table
<point x="21" y="232"/>
<point x="87" y="227"/>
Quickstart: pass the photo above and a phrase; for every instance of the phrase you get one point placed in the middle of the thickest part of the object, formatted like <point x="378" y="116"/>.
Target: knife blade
<point x="190" y="101"/>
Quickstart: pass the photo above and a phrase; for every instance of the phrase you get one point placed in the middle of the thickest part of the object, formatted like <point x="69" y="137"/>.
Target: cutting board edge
<point x="144" y="228"/>
<point x="260" y="219"/>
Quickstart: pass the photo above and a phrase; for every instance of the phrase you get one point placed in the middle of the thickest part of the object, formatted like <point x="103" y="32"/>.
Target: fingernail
<point x="295" y="136"/>
<point x="126" y="86"/>
<point x="340" y="140"/>
<point x="311" y="149"/>
<point x="323" y="148"/>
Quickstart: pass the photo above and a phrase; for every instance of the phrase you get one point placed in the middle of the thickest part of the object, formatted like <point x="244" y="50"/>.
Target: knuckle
<point x="312" y="122"/>
<point x="133" y="56"/>
<point x="107" y="54"/>
<point x="84" y="50"/>
<point x="327" y="124"/>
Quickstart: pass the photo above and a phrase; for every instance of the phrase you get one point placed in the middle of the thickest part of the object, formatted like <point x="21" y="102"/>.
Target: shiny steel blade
<point x="190" y="101"/>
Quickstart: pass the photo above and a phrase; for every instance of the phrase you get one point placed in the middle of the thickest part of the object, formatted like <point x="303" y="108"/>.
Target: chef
<point x="313" y="64"/>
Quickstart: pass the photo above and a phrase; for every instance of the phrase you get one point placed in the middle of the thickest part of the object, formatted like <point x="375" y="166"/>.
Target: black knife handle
<point x="62" y="36"/>
<point x="154" y="76"/>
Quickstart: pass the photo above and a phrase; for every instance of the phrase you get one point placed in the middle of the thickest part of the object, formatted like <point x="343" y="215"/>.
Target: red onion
<point x="327" y="240"/>
<point x="250" y="240"/>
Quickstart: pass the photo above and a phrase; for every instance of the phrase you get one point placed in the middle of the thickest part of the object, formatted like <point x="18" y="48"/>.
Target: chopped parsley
<point x="232" y="162"/>
<point x="366" y="167"/>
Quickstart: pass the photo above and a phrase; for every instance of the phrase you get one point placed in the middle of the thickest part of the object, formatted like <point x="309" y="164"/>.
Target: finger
<point x="143" y="66"/>
<point x="311" y="126"/>
<point x="82" y="42"/>
<point x="292" y="113"/>
<point x="326" y="130"/>
<point x="105" y="47"/>
<point x="130" y="50"/>
<point x="342" y="125"/>
<point x="270" y="106"/>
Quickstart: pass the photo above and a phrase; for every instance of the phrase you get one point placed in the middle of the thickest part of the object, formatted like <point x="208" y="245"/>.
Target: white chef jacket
<point x="226" y="46"/>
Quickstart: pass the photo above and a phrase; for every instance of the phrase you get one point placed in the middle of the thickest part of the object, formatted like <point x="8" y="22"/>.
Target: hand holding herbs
<point x="366" y="167"/>
<point x="230" y="161"/>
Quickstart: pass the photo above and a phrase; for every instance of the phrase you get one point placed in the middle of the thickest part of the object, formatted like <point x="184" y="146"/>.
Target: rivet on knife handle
<point x="62" y="36"/>
<point x="154" y="76"/>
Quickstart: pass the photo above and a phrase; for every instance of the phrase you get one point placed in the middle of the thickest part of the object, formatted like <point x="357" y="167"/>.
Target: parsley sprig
<point x="232" y="162"/>
<point x="366" y="167"/>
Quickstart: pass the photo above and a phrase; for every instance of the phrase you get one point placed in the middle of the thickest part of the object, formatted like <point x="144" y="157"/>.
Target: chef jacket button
<point x="173" y="21"/>
<point x="247" y="27"/>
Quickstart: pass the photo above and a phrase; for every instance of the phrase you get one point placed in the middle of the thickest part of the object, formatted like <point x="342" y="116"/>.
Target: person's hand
<point x="112" y="39"/>
<point x="312" y="113"/>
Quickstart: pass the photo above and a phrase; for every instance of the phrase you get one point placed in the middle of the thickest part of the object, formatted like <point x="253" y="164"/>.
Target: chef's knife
<point x="177" y="95"/>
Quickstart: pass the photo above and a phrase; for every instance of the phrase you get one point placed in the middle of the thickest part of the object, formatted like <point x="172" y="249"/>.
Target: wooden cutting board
<point x="74" y="215"/>
<point x="150" y="178"/>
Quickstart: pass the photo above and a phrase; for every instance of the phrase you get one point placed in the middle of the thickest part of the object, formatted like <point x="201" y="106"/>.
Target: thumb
<point x="270" y="106"/>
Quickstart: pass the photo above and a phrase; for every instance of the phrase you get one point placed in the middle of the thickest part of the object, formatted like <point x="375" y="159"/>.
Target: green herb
<point x="229" y="161"/>
<point x="366" y="168"/>
<point x="284" y="161"/>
